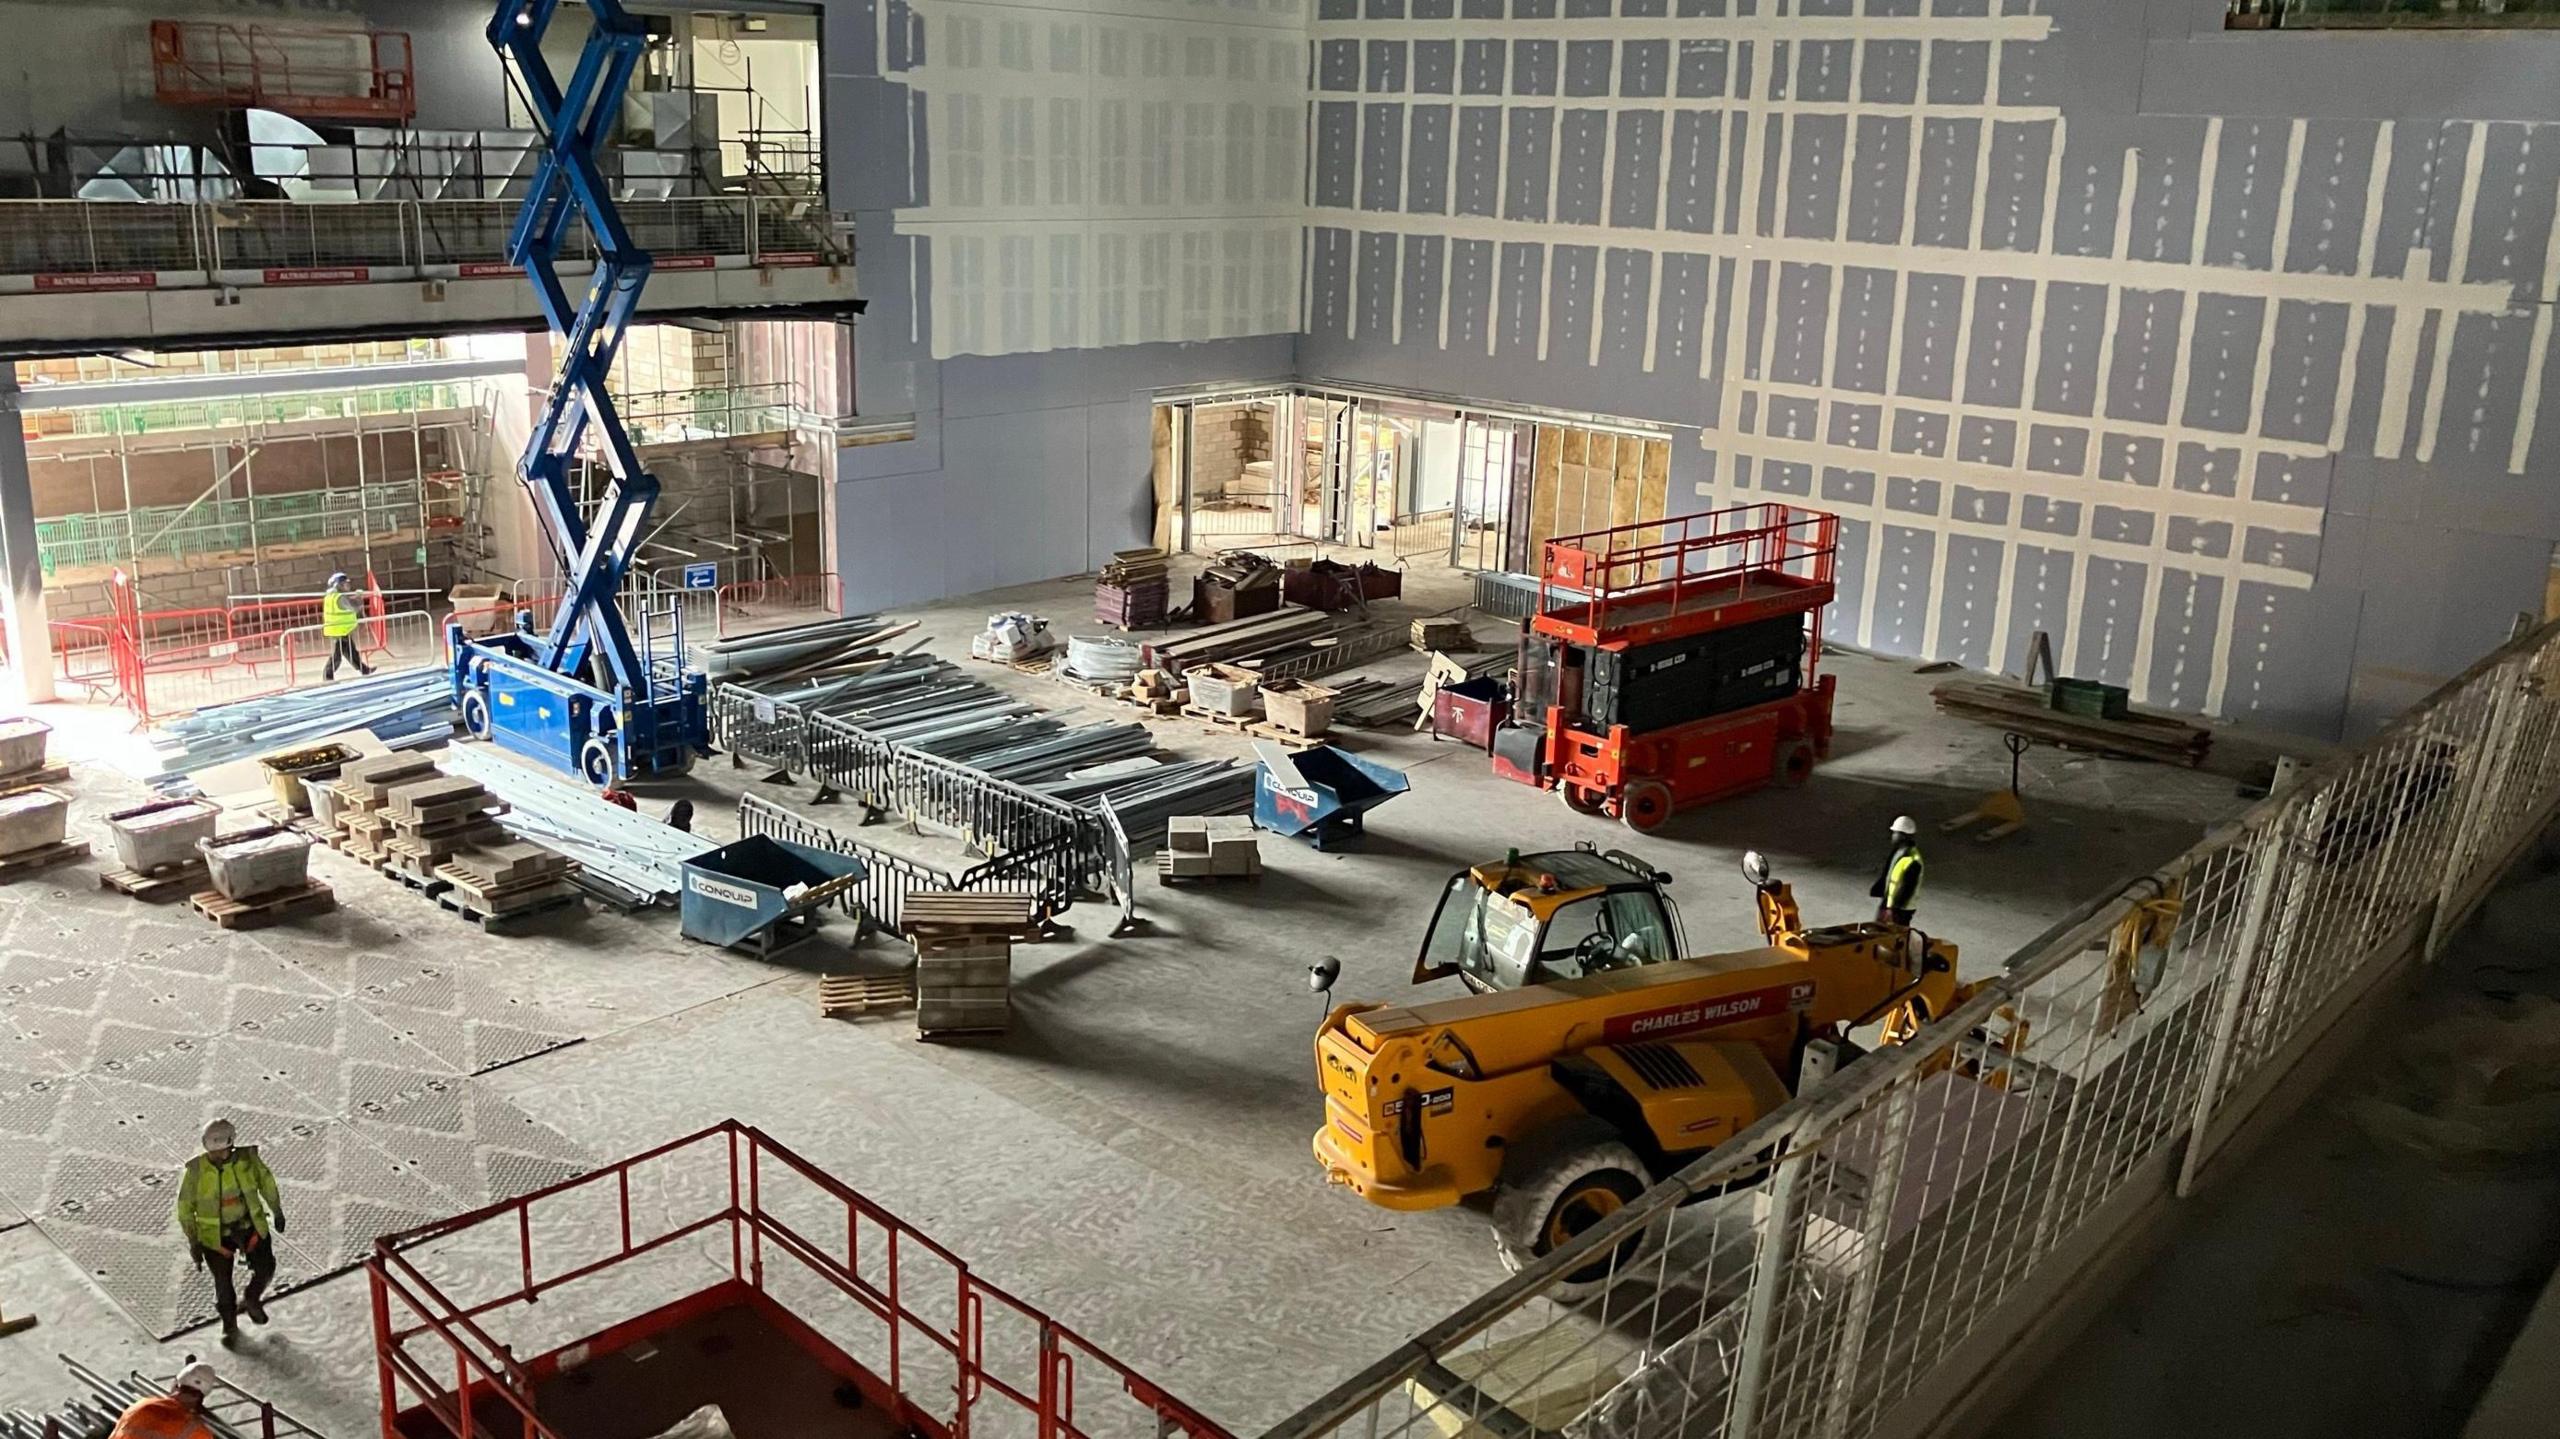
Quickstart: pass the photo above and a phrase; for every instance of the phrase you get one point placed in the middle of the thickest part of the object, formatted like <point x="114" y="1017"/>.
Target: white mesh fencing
<point x="1928" y="1184"/>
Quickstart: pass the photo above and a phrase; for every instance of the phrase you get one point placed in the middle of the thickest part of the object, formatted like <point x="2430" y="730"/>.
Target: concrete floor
<point x="2375" y="1257"/>
<point x="1133" y="1157"/>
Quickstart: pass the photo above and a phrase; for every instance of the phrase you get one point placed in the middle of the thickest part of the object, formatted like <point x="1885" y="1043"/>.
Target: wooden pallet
<point x="175" y="882"/>
<point x="514" y="917"/>
<point x="1255" y="727"/>
<point x="25" y="779"/>
<point x="864" y="993"/>
<point x="314" y="897"/>
<point x="18" y="866"/>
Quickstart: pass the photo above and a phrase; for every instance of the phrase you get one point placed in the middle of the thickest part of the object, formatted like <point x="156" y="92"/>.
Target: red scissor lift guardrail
<point x="313" y="71"/>
<point x="927" y="1343"/>
<point x="1637" y="583"/>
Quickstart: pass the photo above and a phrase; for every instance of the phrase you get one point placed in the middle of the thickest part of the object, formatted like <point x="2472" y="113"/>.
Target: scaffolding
<point x="406" y="510"/>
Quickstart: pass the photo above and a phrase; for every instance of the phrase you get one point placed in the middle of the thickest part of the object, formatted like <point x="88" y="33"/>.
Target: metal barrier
<point x="880" y="899"/>
<point x="941" y="1350"/>
<point x="1505" y="596"/>
<point x="1909" y="1220"/>
<point x="743" y="603"/>
<point x="1036" y="844"/>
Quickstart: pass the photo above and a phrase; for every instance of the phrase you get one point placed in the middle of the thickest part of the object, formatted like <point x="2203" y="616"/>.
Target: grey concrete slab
<point x="1132" y="1157"/>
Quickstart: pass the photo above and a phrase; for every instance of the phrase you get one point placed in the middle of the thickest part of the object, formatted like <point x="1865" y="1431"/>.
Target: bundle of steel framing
<point x="228" y="1413"/>
<point x="625" y="857"/>
<point x="403" y="708"/>
<point x="1143" y="795"/>
<point x="826" y="649"/>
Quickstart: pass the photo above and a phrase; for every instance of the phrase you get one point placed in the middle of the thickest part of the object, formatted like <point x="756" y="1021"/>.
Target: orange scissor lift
<point x="1672" y="664"/>
<point x="725" y="1270"/>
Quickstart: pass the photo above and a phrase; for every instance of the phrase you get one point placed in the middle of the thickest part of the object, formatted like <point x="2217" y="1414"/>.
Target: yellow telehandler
<point x="1560" y="1090"/>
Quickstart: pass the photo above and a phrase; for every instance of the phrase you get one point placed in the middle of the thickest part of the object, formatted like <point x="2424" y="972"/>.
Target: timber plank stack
<point x="1134" y="591"/>
<point x="964" y="958"/>
<point x="2029" y="711"/>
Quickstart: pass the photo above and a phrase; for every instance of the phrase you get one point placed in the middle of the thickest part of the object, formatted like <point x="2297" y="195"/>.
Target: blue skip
<point x="742" y="896"/>
<point x="1319" y="794"/>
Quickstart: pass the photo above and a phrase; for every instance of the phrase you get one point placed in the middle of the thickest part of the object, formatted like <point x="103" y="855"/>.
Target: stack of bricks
<point x="1225" y="439"/>
<point x="964" y="958"/>
<point x="1219" y="847"/>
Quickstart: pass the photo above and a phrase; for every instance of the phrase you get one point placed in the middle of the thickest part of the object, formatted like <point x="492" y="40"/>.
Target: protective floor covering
<point x="124" y="1028"/>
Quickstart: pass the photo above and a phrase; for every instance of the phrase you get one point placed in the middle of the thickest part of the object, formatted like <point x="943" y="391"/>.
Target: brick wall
<point x="1224" y="439"/>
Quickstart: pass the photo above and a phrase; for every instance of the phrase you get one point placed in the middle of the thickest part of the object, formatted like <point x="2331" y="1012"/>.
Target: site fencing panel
<point x="1876" y="1242"/>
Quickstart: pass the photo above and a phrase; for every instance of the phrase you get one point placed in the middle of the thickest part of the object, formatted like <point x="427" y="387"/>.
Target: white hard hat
<point x="1903" y="824"/>
<point x="197" y="1376"/>
<point x="219" y="1134"/>
<point x="337" y="579"/>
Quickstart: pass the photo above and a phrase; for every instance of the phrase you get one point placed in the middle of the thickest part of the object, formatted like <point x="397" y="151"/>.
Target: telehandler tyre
<point x="1561" y="1192"/>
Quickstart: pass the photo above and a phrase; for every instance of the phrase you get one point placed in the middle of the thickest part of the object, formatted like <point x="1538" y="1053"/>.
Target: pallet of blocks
<point x="359" y="792"/>
<point x="501" y="885"/>
<point x="426" y="821"/>
<point x="1221" y="847"/>
<point x="964" y="959"/>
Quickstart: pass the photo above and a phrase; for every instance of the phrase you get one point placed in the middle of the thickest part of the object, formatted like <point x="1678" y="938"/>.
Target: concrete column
<point x="21" y="572"/>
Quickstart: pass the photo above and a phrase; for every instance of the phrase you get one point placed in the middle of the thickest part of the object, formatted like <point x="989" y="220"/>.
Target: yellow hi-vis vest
<point x="200" y="1194"/>
<point x="1902" y="879"/>
<point x="337" y="616"/>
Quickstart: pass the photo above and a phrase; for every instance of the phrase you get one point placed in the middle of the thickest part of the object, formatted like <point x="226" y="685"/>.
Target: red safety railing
<point x="311" y="71"/>
<point x="159" y="663"/>
<point x="1636" y="583"/>
<point x="904" y="1318"/>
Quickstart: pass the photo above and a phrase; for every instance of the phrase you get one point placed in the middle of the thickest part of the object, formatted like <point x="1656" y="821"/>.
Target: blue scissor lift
<point x="582" y="696"/>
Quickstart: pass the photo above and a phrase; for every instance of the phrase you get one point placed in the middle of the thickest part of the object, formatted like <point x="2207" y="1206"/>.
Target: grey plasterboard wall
<point x="1062" y="211"/>
<point x="2234" y="385"/>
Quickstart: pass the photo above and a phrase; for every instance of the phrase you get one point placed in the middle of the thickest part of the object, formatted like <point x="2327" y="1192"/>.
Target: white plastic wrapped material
<point x="1012" y="637"/>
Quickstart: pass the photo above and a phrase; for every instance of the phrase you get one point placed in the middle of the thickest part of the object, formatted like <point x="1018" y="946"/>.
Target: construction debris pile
<point x="1238" y="584"/>
<point x="403" y="709"/>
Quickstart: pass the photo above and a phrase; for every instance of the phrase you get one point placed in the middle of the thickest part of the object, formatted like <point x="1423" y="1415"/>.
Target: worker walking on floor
<point x="338" y="624"/>
<point x="178" y="1414"/>
<point x="1897" y="887"/>
<point x="229" y="1210"/>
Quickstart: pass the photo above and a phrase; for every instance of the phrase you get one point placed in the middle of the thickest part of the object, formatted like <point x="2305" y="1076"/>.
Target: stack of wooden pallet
<point x="2029" y="711"/>
<point x="964" y="958"/>
<point x="495" y="883"/>
<point x="1134" y="591"/>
